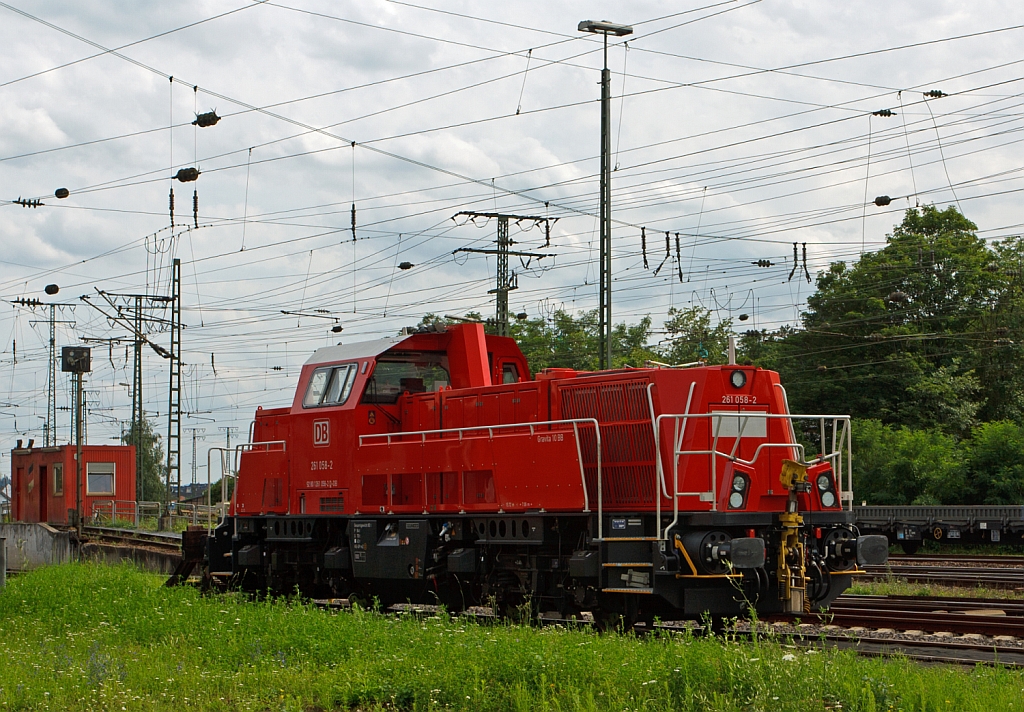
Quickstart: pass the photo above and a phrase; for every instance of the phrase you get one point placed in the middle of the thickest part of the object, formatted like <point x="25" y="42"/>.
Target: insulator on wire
<point x="170" y="205"/>
<point x="668" y="253"/>
<point x="195" y="208"/>
<point x="206" y="119"/>
<point x="62" y="193"/>
<point x="884" y="112"/>
<point x="187" y="175"/>
<point x="795" y="263"/>
<point x="547" y="232"/>
<point x="935" y="94"/>
<point x="643" y="245"/>
<point x="353" y="222"/>
<point x="28" y="202"/>
<point x="882" y="200"/>
<point x="679" y="260"/>
<point x="763" y="263"/>
<point x="806" y="272"/>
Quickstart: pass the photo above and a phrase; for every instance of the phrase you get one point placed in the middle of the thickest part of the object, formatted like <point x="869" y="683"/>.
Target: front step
<point x="628" y="564"/>
<point x="647" y="591"/>
<point x="628" y="556"/>
<point x="627" y="538"/>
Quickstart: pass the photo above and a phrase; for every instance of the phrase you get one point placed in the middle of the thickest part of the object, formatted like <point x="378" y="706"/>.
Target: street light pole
<point x="605" y="28"/>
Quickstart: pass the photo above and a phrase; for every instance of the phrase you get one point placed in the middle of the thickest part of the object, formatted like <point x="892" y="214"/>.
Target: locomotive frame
<point x="431" y="468"/>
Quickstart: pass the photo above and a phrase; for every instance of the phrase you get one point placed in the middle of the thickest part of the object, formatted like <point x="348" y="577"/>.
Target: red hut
<point x="43" y="481"/>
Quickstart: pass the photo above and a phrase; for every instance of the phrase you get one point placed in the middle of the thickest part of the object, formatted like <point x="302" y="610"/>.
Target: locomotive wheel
<point x="620" y="613"/>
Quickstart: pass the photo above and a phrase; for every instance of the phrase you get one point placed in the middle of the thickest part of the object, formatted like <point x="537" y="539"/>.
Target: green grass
<point x="88" y="637"/>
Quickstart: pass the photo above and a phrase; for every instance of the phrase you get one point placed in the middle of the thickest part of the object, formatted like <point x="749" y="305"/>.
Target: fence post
<point x="3" y="562"/>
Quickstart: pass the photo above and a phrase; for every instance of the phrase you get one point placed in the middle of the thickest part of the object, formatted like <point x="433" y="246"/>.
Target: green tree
<point x="902" y="334"/>
<point x="150" y="484"/>
<point x="567" y="341"/>
<point x="994" y="467"/>
<point x="691" y="337"/>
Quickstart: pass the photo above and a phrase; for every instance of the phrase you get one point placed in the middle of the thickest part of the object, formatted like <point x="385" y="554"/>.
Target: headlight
<point x="739" y="484"/>
<point x="736" y="500"/>
<point x="738" y="379"/>
<point x="824" y="482"/>
<point x="828" y="499"/>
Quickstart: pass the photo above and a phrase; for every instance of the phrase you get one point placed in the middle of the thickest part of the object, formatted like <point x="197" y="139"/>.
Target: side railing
<point x="139" y="515"/>
<point x="461" y="433"/>
<point x="838" y="450"/>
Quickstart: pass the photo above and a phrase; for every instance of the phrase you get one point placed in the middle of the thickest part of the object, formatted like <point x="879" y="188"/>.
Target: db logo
<point x="321" y="433"/>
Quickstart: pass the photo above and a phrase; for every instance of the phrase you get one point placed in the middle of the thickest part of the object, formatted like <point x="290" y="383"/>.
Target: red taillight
<point x="750" y="533"/>
<point x="817" y="532"/>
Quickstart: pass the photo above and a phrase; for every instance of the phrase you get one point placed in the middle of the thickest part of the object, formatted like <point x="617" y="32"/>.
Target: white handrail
<point x="834" y="454"/>
<point x="574" y="422"/>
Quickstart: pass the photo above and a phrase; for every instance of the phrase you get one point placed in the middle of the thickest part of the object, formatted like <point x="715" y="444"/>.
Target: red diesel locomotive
<point x="431" y="467"/>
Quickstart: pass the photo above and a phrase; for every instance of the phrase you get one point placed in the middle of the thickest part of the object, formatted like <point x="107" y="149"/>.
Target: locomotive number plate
<point x="317" y="465"/>
<point x="746" y="400"/>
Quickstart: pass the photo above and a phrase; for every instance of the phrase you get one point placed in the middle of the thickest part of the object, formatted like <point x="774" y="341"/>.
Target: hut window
<point x="100" y="478"/>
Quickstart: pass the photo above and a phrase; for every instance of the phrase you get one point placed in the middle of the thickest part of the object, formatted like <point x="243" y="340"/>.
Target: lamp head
<point x="603" y="27"/>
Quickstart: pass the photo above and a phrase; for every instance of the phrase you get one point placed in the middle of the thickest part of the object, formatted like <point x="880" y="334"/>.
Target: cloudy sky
<point x="738" y="127"/>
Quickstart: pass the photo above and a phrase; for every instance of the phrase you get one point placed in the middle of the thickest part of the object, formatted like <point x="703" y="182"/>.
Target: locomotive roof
<point x="351" y="352"/>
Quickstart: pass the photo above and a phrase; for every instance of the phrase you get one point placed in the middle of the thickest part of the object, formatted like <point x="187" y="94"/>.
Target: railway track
<point x="1004" y="572"/>
<point x="950" y="560"/>
<point x="163" y="541"/>
<point x="961" y="631"/>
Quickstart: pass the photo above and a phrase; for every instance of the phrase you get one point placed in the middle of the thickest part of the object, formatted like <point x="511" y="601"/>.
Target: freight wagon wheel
<point x="910" y="547"/>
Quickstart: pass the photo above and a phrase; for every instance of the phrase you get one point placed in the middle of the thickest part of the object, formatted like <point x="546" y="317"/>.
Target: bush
<point x="902" y="466"/>
<point x="896" y="466"/>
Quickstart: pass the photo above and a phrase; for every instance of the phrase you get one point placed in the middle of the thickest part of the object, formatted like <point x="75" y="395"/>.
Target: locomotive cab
<point x="433" y="466"/>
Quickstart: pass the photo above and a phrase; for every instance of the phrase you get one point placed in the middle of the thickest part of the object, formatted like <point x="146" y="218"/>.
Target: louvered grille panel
<point x="332" y="504"/>
<point x="627" y="439"/>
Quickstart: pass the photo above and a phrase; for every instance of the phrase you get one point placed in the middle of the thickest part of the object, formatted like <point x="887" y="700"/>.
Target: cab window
<point x="509" y="373"/>
<point x="400" y="373"/>
<point x="330" y="385"/>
